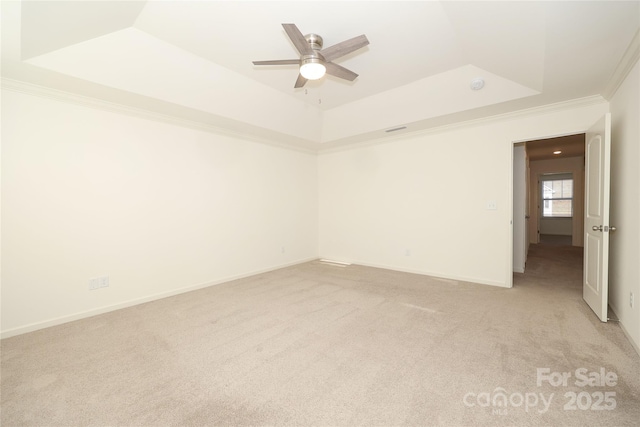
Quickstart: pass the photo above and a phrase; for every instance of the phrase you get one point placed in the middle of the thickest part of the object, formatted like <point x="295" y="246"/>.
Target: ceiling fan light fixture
<point x="312" y="67"/>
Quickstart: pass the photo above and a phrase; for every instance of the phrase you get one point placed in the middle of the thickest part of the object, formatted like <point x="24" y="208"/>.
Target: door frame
<point x="520" y="204"/>
<point x="510" y="198"/>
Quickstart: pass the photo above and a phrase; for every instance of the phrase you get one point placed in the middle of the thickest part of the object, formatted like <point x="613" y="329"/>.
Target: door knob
<point x="612" y="228"/>
<point x="596" y="228"/>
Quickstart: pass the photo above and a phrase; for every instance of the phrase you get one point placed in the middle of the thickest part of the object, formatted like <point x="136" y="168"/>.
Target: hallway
<point x="552" y="265"/>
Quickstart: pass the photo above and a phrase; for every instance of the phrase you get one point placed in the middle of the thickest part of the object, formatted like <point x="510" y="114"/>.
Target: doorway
<point x="548" y="194"/>
<point x="591" y="226"/>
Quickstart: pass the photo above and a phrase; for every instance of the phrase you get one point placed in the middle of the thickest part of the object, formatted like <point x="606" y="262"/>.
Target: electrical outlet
<point x="282" y="250"/>
<point x="492" y="205"/>
<point x="407" y="252"/>
<point x="631" y="301"/>
<point x="98" y="282"/>
<point x="103" y="281"/>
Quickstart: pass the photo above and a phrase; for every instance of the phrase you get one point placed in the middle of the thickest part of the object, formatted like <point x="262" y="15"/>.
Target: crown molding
<point x="100" y="104"/>
<point x="307" y="147"/>
<point x="628" y="61"/>
<point x="533" y="111"/>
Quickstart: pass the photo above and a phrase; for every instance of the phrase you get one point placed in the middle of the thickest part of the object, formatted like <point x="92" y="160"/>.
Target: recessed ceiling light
<point x="557" y="152"/>
<point x="477" y="83"/>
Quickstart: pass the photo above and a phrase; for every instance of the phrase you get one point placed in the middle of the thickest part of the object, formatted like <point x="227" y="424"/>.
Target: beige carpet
<point x="322" y="345"/>
<point x="555" y="240"/>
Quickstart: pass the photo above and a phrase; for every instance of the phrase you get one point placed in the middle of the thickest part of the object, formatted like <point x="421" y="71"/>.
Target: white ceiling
<point x="193" y="59"/>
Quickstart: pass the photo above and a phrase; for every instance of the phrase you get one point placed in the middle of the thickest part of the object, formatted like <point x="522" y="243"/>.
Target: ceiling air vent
<point x="395" y="129"/>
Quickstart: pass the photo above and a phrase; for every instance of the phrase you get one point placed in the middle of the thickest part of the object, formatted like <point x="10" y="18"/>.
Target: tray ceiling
<point x="192" y="59"/>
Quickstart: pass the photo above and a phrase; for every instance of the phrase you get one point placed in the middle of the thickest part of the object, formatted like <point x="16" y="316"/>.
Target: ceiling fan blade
<point x="339" y="71"/>
<point x="343" y="48"/>
<point x="298" y="39"/>
<point x="300" y="82"/>
<point x="278" y="62"/>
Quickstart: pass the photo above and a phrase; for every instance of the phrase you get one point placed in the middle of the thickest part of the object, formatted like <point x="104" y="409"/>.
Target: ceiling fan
<point x="315" y="61"/>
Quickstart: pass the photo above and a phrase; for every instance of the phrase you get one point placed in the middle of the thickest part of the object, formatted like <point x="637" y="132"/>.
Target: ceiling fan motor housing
<point x="314" y="58"/>
<point x="314" y="40"/>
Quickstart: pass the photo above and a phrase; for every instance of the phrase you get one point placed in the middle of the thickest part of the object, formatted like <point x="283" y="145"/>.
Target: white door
<point x="595" y="285"/>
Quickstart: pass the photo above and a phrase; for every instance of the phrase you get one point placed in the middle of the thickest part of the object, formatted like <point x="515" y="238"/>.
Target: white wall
<point x="419" y="203"/>
<point x="572" y="227"/>
<point x="162" y="209"/>
<point x="624" y="269"/>
<point x="556" y="226"/>
<point x="158" y="208"/>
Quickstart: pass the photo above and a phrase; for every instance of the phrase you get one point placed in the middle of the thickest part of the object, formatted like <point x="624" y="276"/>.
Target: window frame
<point x="556" y="177"/>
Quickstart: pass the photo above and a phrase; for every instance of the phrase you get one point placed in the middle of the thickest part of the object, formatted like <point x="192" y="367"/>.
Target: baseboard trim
<point x="431" y="274"/>
<point x="626" y="333"/>
<point x="130" y="303"/>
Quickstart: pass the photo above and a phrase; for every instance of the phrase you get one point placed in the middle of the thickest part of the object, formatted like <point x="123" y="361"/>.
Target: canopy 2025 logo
<point x="499" y="401"/>
<point x="582" y="377"/>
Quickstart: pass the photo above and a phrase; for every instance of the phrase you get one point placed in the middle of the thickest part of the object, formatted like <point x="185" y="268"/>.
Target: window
<point x="557" y="198"/>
